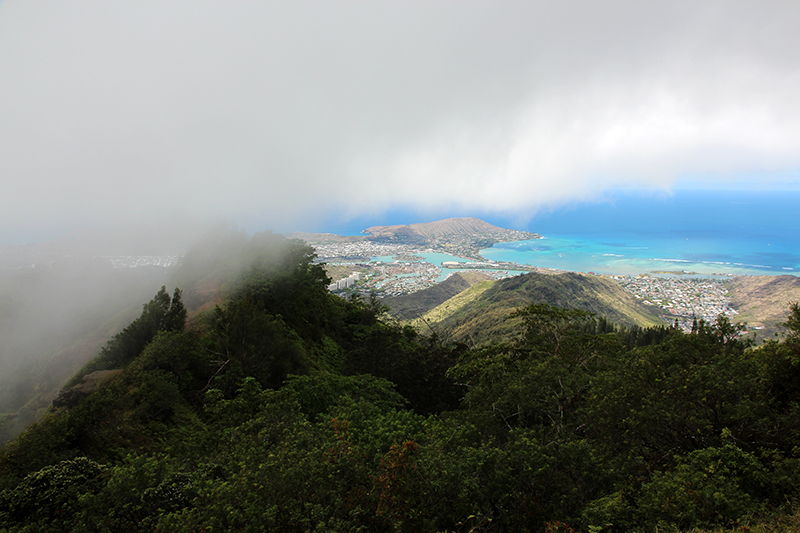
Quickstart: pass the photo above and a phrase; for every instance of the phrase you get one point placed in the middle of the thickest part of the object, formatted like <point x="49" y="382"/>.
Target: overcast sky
<point x="279" y="114"/>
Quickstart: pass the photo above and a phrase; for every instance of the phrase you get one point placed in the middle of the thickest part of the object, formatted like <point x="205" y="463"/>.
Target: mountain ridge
<point x="485" y="316"/>
<point x="410" y="306"/>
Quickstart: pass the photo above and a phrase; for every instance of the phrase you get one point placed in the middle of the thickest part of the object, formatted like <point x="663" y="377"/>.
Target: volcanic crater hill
<point x="483" y="316"/>
<point x="450" y="227"/>
<point x="464" y="236"/>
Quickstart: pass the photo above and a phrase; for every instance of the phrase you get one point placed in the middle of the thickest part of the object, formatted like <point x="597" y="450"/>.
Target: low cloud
<point x="276" y="114"/>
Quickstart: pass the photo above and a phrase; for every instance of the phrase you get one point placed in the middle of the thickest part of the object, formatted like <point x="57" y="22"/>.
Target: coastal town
<point x="683" y="299"/>
<point x="362" y="250"/>
<point x="402" y="274"/>
<point x="394" y="269"/>
<point x="397" y="266"/>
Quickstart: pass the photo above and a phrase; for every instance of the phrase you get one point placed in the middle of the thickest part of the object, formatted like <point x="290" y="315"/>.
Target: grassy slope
<point x="412" y="306"/>
<point x="482" y="315"/>
<point x="450" y="306"/>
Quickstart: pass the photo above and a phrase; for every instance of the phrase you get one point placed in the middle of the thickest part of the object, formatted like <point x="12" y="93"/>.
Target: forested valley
<point x="277" y="406"/>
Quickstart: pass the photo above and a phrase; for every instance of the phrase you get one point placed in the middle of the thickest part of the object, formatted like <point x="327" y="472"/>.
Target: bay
<point x="630" y="231"/>
<point x="437" y="258"/>
<point x="704" y="232"/>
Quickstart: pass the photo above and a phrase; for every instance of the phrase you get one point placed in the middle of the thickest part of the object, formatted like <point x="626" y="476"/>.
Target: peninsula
<point x="461" y="237"/>
<point x="349" y="260"/>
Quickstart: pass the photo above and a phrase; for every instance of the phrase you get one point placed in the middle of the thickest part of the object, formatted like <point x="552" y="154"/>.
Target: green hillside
<point x="416" y="304"/>
<point x="484" y="316"/>
<point x="251" y="399"/>
<point x="451" y="305"/>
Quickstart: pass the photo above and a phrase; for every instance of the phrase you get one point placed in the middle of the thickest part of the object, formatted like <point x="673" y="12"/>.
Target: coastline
<point x="627" y="257"/>
<point x="694" y="290"/>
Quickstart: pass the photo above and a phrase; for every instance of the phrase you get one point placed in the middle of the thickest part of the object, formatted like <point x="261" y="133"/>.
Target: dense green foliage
<point x="289" y="409"/>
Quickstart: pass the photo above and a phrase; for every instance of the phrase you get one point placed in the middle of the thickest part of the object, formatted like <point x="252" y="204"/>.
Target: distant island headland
<point x="405" y="258"/>
<point x="462" y="237"/>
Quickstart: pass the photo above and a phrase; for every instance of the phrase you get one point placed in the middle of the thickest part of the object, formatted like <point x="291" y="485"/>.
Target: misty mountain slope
<point x="36" y="383"/>
<point x="215" y="267"/>
<point x="55" y="318"/>
<point x="485" y="317"/>
<point x="278" y="319"/>
<point x="411" y="306"/>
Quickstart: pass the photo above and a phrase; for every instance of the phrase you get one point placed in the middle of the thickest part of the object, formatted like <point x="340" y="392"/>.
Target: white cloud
<point x="118" y="112"/>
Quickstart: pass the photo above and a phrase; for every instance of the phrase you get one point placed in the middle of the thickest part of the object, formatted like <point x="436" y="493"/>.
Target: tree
<point x="540" y="379"/>
<point x="162" y="313"/>
<point x="51" y="495"/>
<point x="175" y="317"/>
<point x="250" y="342"/>
<point x="793" y="325"/>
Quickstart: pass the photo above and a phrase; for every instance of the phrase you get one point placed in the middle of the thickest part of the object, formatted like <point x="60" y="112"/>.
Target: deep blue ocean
<point x="632" y="232"/>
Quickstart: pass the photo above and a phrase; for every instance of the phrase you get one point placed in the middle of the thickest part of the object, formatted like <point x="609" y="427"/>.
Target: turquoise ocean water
<point x="632" y="232"/>
<point x="705" y="232"/>
<point x="437" y="259"/>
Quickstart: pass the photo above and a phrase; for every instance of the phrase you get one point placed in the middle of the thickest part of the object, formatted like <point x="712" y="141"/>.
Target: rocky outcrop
<point x="71" y="396"/>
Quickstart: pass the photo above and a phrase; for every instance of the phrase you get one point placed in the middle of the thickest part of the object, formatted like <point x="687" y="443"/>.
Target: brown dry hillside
<point x="763" y="301"/>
